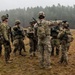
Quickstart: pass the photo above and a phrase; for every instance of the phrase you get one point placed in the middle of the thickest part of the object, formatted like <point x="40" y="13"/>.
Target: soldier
<point x="55" y="42"/>
<point x="65" y="38"/>
<point x="18" y="37"/>
<point x="1" y="42"/>
<point x="43" y="33"/>
<point x="5" y="33"/>
<point x="32" y="38"/>
<point x="65" y="25"/>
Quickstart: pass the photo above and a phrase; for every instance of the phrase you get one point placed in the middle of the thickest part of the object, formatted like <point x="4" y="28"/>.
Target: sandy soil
<point x="26" y="66"/>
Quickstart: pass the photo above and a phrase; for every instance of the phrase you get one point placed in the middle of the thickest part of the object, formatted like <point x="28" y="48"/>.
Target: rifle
<point x="36" y="28"/>
<point x="35" y="20"/>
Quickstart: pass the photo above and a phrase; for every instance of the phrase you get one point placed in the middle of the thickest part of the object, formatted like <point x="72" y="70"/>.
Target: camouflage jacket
<point x="43" y="29"/>
<point x="30" y="32"/>
<point x="5" y="31"/>
<point x="18" y="32"/>
<point x="66" y="35"/>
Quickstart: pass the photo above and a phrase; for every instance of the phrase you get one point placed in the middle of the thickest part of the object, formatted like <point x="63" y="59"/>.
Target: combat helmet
<point x="65" y="24"/>
<point x="17" y="22"/>
<point x="4" y="17"/>
<point x="41" y="14"/>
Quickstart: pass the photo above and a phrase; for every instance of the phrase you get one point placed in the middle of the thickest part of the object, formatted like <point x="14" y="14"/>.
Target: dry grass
<point x="26" y="66"/>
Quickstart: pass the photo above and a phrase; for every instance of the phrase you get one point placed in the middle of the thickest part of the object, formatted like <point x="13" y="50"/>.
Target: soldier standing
<point x="5" y="33"/>
<point x="18" y="37"/>
<point x="32" y="38"/>
<point x="55" y="42"/>
<point x="1" y="42"/>
<point x="43" y="33"/>
<point x="65" y="38"/>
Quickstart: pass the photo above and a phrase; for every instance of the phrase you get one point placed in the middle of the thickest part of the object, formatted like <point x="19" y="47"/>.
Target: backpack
<point x="17" y="33"/>
<point x="54" y="32"/>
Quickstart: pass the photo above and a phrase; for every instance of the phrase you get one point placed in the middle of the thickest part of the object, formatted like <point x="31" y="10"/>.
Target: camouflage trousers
<point x="64" y="50"/>
<point x="1" y="42"/>
<point x="7" y="51"/>
<point x="33" y="46"/>
<point x="55" y="43"/>
<point x="45" y="51"/>
<point x="68" y="46"/>
<point x="18" y="45"/>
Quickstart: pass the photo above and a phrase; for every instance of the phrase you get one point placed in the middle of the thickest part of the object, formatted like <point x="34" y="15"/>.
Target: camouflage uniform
<point x="32" y="38"/>
<point x="1" y="42"/>
<point x="65" y="40"/>
<point x="18" y="37"/>
<point x="44" y="45"/>
<point x="55" y="42"/>
<point x="5" y="33"/>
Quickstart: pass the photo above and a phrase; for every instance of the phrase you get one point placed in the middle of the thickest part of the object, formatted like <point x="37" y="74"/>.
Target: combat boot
<point x="42" y="66"/>
<point x="49" y="67"/>
<point x="61" y="60"/>
<point x="8" y="62"/>
<point x="34" y="55"/>
<point x="66" y="62"/>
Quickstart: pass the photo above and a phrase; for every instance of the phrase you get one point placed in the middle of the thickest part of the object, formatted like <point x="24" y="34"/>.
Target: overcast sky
<point x="12" y="4"/>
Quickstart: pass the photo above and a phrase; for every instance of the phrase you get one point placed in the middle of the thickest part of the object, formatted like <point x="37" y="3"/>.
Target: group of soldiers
<point x="45" y="36"/>
<point x="7" y="35"/>
<point x="49" y="36"/>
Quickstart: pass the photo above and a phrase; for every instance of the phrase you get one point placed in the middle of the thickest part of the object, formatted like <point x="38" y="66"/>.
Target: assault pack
<point x="54" y="31"/>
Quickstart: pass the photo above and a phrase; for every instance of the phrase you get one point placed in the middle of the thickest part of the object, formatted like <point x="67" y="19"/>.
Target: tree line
<point x="58" y="12"/>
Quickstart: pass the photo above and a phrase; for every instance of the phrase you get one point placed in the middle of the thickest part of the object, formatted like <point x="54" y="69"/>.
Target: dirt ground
<point x="26" y="66"/>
